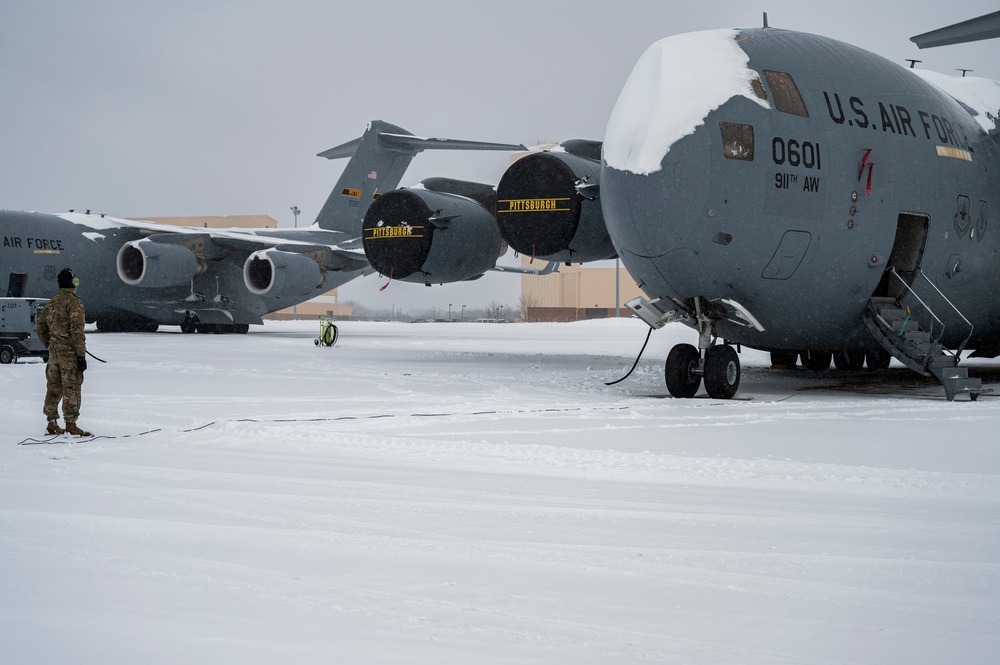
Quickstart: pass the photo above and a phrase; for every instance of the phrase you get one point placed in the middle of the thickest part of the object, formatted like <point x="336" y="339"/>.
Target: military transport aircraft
<point x="138" y="275"/>
<point x="790" y="193"/>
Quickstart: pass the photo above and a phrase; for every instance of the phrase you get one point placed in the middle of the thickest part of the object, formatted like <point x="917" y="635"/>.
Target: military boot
<point x="71" y="428"/>
<point x="54" y="428"/>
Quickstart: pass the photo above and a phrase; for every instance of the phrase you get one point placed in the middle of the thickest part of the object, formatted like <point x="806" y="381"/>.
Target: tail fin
<point x="378" y="160"/>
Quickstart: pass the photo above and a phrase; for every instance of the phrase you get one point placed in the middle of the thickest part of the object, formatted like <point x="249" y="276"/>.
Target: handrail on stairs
<point x="958" y="352"/>
<point x="972" y="328"/>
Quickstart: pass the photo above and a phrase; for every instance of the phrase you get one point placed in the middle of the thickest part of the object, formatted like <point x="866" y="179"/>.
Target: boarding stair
<point x="914" y="338"/>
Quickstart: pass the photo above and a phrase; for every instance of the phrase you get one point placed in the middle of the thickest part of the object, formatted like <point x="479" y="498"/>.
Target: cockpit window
<point x="737" y="141"/>
<point x="786" y="94"/>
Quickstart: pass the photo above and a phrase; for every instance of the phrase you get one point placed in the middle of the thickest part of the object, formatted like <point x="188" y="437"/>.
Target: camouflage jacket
<point x="61" y="322"/>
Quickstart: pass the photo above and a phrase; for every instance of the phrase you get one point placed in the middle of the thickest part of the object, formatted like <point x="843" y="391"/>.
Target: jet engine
<point x="438" y="232"/>
<point x="548" y="205"/>
<point x="157" y="264"/>
<point x="275" y="273"/>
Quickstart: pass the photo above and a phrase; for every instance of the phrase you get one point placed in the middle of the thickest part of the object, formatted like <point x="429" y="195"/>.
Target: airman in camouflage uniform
<point x="60" y="328"/>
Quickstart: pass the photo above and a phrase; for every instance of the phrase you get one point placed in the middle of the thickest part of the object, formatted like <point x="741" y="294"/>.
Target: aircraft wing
<point x="983" y="27"/>
<point x="239" y="273"/>
<point x="216" y="244"/>
<point x="550" y="267"/>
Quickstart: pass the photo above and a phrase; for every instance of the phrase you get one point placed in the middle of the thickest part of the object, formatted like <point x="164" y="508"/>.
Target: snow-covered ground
<point x="474" y="493"/>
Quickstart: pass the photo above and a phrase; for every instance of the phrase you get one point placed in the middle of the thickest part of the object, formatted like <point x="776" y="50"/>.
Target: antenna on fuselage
<point x="765" y="20"/>
<point x="912" y="61"/>
<point x="964" y="70"/>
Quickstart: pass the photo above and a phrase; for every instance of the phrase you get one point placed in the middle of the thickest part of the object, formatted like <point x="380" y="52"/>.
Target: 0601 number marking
<point x="795" y="153"/>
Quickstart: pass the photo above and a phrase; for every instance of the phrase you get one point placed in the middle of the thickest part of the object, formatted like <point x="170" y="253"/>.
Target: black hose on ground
<point x="635" y="364"/>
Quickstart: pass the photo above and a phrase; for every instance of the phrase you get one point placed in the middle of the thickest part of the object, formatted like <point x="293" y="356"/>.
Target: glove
<point x="81" y="363"/>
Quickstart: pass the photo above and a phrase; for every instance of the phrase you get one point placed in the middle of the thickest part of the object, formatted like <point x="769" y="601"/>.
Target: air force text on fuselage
<point x="895" y="119"/>
<point x="37" y="245"/>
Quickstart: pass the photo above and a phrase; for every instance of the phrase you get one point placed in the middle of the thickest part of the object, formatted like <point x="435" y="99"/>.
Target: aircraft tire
<point x="241" y="328"/>
<point x="681" y="371"/>
<point x="849" y="360"/>
<point x="189" y="328"/>
<point x="878" y="359"/>
<point x="7" y="354"/>
<point x="722" y="372"/>
<point x="817" y="361"/>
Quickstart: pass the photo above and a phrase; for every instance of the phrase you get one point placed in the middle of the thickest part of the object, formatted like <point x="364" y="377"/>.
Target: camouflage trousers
<point x="63" y="381"/>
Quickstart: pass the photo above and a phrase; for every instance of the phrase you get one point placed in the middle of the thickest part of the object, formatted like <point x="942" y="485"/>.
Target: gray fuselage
<point x="794" y="215"/>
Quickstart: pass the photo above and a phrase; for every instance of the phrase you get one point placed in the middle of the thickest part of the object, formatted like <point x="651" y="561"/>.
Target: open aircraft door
<point x="907" y="252"/>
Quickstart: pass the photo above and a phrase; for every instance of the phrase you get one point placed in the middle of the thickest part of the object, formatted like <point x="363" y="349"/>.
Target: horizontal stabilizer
<point x="984" y="27"/>
<point x="342" y="150"/>
<point x="377" y="162"/>
<point x="414" y="144"/>
<point x="419" y="143"/>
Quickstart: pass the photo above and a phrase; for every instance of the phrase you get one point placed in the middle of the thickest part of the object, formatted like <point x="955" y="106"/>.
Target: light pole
<point x="618" y="297"/>
<point x="463" y="312"/>
<point x="449" y="311"/>
<point x="295" y="307"/>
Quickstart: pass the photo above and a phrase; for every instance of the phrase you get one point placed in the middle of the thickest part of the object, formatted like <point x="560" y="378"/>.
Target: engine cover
<point x="155" y="264"/>
<point x="423" y="236"/>
<point x="275" y="273"/>
<point x="548" y="206"/>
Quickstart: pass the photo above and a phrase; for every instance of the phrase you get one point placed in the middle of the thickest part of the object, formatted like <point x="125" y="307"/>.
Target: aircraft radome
<point x="138" y="275"/>
<point x="790" y="193"/>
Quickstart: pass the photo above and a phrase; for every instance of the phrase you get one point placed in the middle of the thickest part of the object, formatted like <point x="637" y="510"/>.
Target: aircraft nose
<point x="659" y="150"/>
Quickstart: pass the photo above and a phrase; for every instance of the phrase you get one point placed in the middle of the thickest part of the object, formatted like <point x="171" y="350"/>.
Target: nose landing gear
<point x="720" y="368"/>
<point x="717" y="364"/>
<point x="687" y="366"/>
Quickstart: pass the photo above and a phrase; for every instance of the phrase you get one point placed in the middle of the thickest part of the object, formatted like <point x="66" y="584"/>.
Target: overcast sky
<point x="202" y="107"/>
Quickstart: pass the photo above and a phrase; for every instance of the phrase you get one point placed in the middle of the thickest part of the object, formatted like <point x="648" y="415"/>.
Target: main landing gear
<point x="819" y="361"/>
<point x="191" y="324"/>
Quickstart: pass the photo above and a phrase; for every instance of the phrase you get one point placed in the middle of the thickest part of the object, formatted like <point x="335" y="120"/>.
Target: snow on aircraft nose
<point x="657" y="171"/>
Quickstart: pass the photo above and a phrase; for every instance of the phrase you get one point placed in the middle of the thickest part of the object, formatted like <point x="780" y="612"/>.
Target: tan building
<point x="325" y="305"/>
<point x="575" y="293"/>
